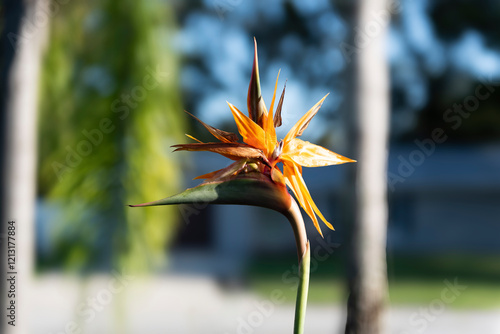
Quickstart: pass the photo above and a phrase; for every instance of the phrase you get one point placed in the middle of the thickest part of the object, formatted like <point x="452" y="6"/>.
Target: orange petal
<point x="310" y="155"/>
<point x="293" y="179"/>
<point x="252" y="133"/>
<point x="277" y="176"/>
<point x="193" y="138"/>
<point x="232" y="169"/>
<point x="233" y="151"/>
<point x="293" y="173"/>
<point x="207" y="175"/>
<point x="302" y="124"/>
<point x="274" y="94"/>
<point x="223" y="136"/>
<point x="269" y="130"/>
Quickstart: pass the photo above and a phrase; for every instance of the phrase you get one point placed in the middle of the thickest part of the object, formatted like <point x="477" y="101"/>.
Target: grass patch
<point x="321" y="291"/>
<point x="412" y="280"/>
<point x="478" y="295"/>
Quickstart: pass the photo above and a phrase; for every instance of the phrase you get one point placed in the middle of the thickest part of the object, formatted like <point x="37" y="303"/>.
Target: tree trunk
<point x="25" y="29"/>
<point x="368" y="97"/>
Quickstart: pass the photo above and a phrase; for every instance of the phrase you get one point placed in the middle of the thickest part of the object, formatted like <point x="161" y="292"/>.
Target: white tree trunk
<point x="19" y="94"/>
<point x="369" y="132"/>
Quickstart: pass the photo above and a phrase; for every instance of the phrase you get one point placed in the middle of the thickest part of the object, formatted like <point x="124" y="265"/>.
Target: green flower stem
<point x="303" y="289"/>
<point x="295" y="217"/>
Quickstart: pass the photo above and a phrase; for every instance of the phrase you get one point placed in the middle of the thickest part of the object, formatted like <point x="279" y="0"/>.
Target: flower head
<point x="262" y="152"/>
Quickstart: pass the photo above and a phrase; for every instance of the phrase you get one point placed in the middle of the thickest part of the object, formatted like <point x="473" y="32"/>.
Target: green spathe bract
<point x="250" y="189"/>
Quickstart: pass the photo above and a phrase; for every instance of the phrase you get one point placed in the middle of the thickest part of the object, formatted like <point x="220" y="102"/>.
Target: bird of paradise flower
<point x="255" y="178"/>
<point x="261" y="150"/>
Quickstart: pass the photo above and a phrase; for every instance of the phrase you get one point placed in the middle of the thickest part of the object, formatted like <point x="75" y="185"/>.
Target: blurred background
<point x="103" y="86"/>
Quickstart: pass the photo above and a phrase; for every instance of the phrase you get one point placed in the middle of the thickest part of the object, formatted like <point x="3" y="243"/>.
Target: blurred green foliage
<point x="110" y="109"/>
